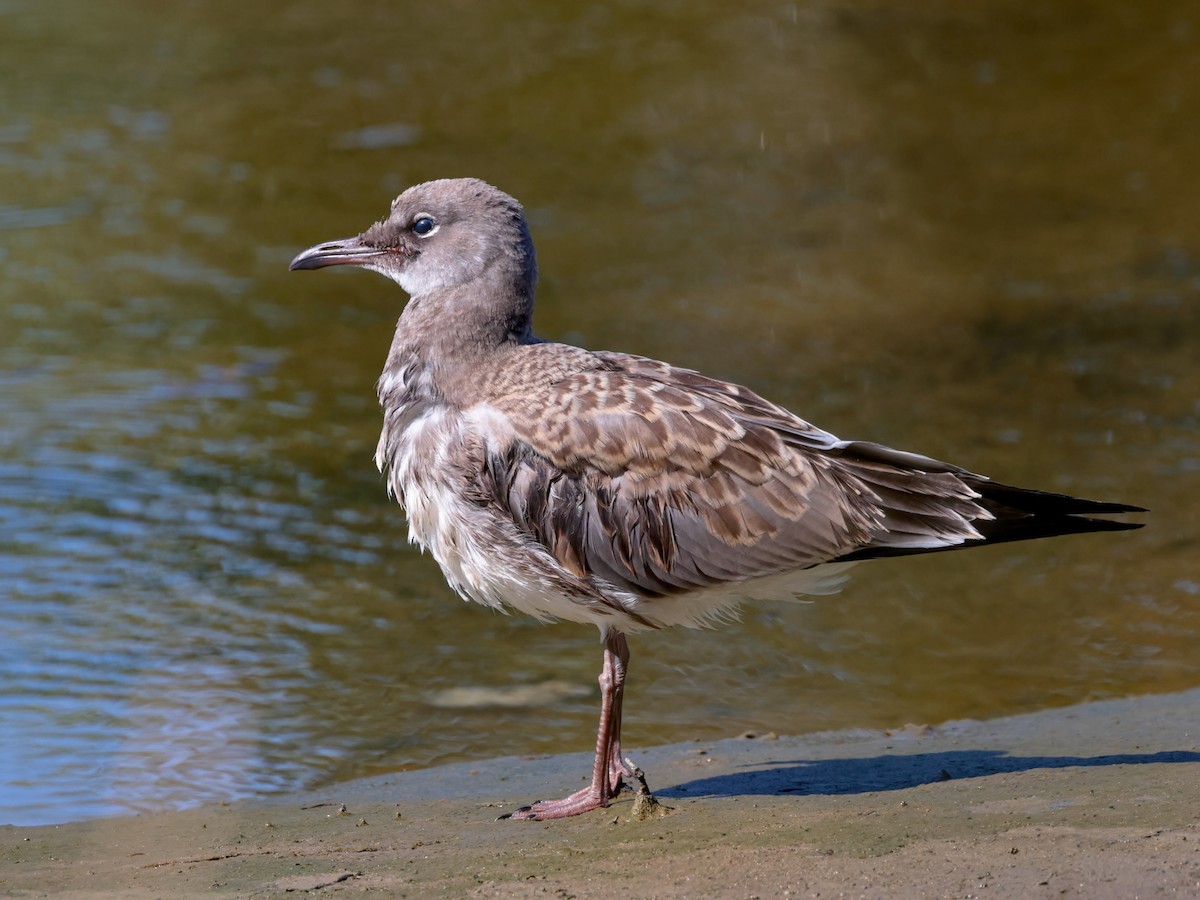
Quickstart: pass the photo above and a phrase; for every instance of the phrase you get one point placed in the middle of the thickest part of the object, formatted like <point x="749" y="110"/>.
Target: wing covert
<point x="660" y="480"/>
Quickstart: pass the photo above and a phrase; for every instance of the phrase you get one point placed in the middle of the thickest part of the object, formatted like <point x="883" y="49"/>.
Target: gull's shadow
<point x="893" y="772"/>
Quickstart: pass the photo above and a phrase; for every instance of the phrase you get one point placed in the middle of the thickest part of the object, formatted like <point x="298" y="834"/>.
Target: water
<point x="968" y="232"/>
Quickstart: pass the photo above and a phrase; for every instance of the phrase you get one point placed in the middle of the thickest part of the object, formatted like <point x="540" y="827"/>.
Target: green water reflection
<point x="970" y="231"/>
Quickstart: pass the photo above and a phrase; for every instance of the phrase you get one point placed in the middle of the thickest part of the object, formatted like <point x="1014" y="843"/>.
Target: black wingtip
<point x="1022" y="514"/>
<point x="1046" y="503"/>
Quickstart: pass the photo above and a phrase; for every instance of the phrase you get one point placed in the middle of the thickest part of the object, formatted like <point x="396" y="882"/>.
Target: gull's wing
<point x="660" y="480"/>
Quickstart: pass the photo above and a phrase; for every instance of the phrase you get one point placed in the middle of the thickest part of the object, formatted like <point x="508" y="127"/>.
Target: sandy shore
<point x="1099" y="800"/>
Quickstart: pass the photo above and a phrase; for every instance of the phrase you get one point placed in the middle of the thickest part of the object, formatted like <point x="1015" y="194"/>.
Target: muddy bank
<point x="1094" y="800"/>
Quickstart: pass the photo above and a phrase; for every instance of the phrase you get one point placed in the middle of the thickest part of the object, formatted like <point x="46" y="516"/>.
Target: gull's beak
<point x="350" y="252"/>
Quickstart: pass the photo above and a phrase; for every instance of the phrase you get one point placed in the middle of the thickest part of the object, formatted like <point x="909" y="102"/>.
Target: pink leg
<point x="608" y="770"/>
<point x="619" y="661"/>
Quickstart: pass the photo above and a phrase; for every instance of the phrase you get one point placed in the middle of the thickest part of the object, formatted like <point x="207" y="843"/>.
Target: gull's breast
<point x="432" y="468"/>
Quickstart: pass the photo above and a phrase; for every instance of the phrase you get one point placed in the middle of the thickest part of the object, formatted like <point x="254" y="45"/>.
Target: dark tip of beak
<point x="350" y="252"/>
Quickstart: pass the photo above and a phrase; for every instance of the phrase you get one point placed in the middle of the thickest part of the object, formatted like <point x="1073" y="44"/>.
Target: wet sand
<point x="1098" y="800"/>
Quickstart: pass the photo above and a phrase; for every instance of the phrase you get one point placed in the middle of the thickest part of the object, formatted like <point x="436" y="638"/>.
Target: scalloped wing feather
<point x="660" y="480"/>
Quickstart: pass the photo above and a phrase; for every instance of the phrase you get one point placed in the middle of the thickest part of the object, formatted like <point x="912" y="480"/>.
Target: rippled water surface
<point x="968" y="231"/>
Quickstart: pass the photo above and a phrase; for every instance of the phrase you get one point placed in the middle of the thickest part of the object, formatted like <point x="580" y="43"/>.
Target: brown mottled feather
<point x="662" y="480"/>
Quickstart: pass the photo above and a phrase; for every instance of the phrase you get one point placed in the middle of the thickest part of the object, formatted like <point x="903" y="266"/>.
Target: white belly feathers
<point x="429" y="469"/>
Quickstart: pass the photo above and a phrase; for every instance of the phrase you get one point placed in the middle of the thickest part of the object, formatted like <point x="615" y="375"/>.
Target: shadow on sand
<point x="893" y="772"/>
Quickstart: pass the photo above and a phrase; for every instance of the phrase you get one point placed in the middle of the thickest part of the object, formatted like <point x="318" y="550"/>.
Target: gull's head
<point x="440" y="235"/>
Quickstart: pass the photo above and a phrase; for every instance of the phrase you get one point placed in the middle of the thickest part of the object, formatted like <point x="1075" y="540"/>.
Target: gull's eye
<point x="424" y="226"/>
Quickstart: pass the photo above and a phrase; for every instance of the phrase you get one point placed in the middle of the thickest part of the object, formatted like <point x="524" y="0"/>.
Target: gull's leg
<point x="621" y="771"/>
<point x="608" y="770"/>
<point x="618" y="771"/>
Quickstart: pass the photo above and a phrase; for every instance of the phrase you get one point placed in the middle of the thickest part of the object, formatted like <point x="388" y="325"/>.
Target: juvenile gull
<point x="616" y="490"/>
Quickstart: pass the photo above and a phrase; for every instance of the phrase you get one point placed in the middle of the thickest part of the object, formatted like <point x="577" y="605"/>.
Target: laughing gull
<point x="616" y="490"/>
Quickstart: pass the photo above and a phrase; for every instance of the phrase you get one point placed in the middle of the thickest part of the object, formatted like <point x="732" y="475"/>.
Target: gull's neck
<point x="448" y="340"/>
